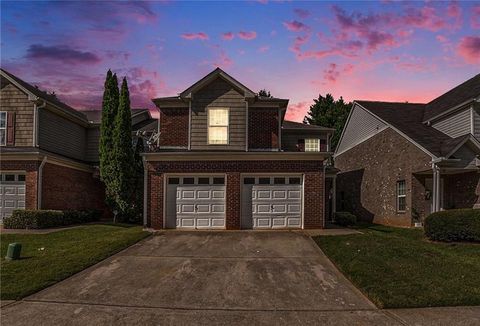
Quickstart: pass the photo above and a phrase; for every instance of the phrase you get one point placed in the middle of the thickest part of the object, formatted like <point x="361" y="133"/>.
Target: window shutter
<point x="10" y="128"/>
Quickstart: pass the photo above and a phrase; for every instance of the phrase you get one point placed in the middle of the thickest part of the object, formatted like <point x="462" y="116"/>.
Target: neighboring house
<point x="49" y="151"/>
<point x="400" y="162"/>
<point x="227" y="159"/>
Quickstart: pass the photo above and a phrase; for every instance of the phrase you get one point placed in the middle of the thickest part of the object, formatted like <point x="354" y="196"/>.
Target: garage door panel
<point x="21" y="204"/>
<point x="279" y="194"/>
<point x="10" y="190"/>
<point x="198" y="206"/>
<point x="272" y="206"/>
<point x="218" y="194"/>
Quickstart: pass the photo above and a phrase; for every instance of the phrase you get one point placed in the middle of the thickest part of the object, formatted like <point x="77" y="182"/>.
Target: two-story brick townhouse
<point x="401" y="161"/>
<point x="227" y="159"/>
<point x="49" y="151"/>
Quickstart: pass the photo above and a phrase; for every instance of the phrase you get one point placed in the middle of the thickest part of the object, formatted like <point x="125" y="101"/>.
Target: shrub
<point x="33" y="219"/>
<point x="41" y="219"/>
<point x="453" y="225"/>
<point x="345" y="218"/>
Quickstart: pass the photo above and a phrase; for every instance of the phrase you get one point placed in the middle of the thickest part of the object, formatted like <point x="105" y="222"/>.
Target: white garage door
<point x="272" y="202"/>
<point x="196" y="202"/>
<point x="12" y="193"/>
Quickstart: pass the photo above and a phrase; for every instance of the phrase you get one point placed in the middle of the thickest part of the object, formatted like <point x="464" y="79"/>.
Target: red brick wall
<point x="31" y="168"/>
<point x="67" y="188"/>
<point x="369" y="173"/>
<point x="313" y="197"/>
<point x="262" y="128"/>
<point x="174" y="127"/>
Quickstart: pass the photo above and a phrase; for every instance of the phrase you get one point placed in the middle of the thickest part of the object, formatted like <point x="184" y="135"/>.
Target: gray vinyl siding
<point x="456" y="125"/>
<point x="218" y="94"/>
<point x="476" y="122"/>
<point x="14" y="100"/>
<point x="361" y="126"/>
<point x="466" y="156"/>
<point x="93" y="138"/>
<point x="61" y="136"/>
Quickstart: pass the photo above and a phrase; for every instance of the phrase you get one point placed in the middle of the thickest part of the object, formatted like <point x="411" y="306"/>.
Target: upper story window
<point x="312" y="145"/>
<point x="3" y="128"/>
<point x="218" y="119"/>
<point x="401" y="196"/>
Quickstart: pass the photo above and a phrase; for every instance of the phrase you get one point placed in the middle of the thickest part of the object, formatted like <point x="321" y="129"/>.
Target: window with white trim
<point x="218" y="119"/>
<point x="3" y="128"/>
<point x="401" y="196"/>
<point x="312" y="145"/>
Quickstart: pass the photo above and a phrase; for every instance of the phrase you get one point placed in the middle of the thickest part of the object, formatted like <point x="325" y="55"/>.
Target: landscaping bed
<point x="399" y="268"/>
<point x="50" y="258"/>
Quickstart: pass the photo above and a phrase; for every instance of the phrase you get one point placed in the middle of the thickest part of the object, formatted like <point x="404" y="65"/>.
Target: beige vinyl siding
<point x="456" y="125"/>
<point x="476" y="122"/>
<point x="361" y="126"/>
<point x="14" y="100"/>
<point x="218" y="94"/>
<point x="61" y="136"/>
<point x="93" y="139"/>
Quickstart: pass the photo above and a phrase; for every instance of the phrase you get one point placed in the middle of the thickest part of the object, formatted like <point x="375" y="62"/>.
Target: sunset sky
<point x="411" y="51"/>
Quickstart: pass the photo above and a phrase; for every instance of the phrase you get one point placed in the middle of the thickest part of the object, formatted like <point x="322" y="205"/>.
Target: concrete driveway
<point x="205" y="278"/>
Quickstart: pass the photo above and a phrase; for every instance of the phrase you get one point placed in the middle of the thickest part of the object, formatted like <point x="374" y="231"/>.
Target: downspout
<point x="39" y="182"/>
<point x="145" y="191"/>
<point x="246" y="125"/>
<point x="36" y="121"/>
<point x="324" y="195"/>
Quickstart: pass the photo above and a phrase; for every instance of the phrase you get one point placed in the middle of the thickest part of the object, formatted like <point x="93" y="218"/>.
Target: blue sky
<point x="409" y="51"/>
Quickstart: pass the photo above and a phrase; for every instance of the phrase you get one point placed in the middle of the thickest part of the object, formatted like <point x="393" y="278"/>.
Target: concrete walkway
<point x="216" y="278"/>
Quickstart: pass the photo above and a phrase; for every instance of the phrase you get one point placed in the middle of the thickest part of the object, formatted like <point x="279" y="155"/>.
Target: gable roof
<point x="95" y="115"/>
<point x="33" y="91"/>
<point x="302" y="126"/>
<point x="407" y="118"/>
<point x="212" y="76"/>
<point x="463" y="93"/>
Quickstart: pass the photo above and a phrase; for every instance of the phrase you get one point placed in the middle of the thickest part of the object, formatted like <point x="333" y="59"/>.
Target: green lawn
<point x="399" y="268"/>
<point x="49" y="258"/>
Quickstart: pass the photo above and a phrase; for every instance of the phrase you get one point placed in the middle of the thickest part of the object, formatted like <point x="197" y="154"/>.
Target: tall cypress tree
<point x="109" y="111"/>
<point x="123" y="155"/>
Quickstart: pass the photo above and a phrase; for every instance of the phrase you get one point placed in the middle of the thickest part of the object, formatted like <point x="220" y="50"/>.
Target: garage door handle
<point x="271" y="208"/>
<point x="196" y="208"/>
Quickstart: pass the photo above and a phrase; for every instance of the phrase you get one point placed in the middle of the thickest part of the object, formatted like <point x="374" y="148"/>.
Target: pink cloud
<point x="263" y="49"/>
<point x="469" y="49"/>
<point x="475" y="17"/>
<point x="297" y="111"/>
<point x="223" y="61"/>
<point x="195" y="36"/>
<point x="302" y="13"/>
<point x="441" y="38"/>
<point x="228" y="36"/>
<point x="295" y="26"/>
<point x="247" y="35"/>
<point x="333" y="72"/>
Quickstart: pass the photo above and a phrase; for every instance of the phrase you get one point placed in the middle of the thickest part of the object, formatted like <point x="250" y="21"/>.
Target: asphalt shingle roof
<point x="407" y="118"/>
<point x="458" y="95"/>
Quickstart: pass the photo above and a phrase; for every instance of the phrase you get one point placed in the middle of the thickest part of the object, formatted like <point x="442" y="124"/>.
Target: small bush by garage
<point x="41" y="219"/>
<point x="454" y="225"/>
<point x="345" y="218"/>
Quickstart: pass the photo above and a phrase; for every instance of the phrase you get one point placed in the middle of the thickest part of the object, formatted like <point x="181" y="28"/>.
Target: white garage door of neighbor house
<point x="12" y="193"/>
<point x="195" y="202"/>
<point x="272" y="202"/>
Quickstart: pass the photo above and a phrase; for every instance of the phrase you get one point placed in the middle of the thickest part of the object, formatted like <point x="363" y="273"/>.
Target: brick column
<point x="233" y="203"/>
<point x="313" y="200"/>
<point x="155" y="200"/>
